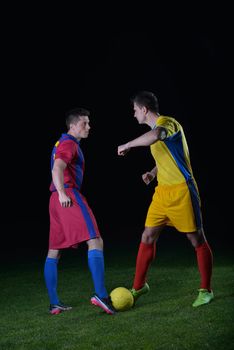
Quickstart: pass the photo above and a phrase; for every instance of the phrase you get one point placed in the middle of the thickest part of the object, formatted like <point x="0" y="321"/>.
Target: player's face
<point x="80" y="130"/>
<point x="139" y="113"/>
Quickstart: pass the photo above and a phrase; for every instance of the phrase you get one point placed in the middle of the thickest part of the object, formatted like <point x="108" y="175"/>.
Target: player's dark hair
<point x="146" y="99"/>
<point x="74" y="115"/>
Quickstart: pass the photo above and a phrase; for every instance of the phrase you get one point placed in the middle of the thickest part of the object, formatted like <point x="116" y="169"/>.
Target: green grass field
<point x="161" y="320"/>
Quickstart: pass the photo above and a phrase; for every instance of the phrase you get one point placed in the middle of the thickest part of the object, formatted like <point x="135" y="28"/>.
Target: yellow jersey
<point x="172" y="154"/>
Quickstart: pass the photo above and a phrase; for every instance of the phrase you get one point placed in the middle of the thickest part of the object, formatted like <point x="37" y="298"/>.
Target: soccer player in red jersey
<point x="176" y="200"/>
<point x="71" y="219"/>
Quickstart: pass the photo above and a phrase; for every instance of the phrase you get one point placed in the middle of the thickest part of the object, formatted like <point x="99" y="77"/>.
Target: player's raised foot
<point x="204" y="297"/>
<point x="139" y="292"/>
<point x="104" y="303"/>
<point x="56" y="309"/>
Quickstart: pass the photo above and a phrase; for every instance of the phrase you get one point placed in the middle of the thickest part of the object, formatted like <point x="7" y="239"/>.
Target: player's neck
<point x="152" y="118"/>
<point x="74" y="135"/>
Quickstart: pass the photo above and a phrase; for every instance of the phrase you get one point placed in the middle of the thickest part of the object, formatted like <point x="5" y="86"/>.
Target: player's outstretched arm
<point x="146" y="139"/>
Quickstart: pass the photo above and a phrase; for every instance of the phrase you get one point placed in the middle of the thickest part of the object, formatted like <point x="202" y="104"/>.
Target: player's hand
<point x="64" y="200"/>
<point x="147" y="177"/>
<point x="123" y="149"/>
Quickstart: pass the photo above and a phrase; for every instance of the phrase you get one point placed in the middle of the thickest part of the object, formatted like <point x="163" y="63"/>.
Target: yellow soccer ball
<point x="122" y="299"/>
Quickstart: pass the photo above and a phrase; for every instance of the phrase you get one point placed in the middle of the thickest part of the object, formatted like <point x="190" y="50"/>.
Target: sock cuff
<point x="52" y="260"/>
<point x="202" y="246"/>
<point x="146" y="245"/>
<point x="95" y="253"/>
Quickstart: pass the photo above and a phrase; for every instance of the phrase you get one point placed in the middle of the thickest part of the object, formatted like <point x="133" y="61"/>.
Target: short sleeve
<point x="66" y="151"/>
<point x="169" y="124"/>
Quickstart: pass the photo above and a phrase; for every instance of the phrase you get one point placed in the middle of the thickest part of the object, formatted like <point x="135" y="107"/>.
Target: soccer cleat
<point x="204" y="297"/>
<point x="137" y="293"/>
<point x="104" y="303"/>
<point x="56" y="309"/>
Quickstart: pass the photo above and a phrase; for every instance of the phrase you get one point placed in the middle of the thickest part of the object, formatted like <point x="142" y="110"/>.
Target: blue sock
<point x="96" y="266"/>
<point x="51" y="276"/>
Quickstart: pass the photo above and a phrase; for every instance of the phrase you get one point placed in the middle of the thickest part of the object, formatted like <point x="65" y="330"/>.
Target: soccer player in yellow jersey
<point x="176" y="200"/>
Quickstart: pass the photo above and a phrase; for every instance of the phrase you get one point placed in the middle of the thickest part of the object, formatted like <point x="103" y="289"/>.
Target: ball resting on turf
<point x="121" y="298"/>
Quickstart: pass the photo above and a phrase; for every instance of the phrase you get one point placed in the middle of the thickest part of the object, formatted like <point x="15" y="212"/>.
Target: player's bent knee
<point x="95" y="243"/>
<point x="53" y="253"/>
<point x="196" y="238"/>
<point x="147" y="238"/>
<point x="150" y="235"/>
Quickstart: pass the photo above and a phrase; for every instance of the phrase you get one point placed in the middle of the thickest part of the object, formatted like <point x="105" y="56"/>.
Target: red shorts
<point x="72" y="225"/>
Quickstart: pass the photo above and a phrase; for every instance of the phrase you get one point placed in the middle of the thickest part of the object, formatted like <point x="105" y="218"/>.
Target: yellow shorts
<point x="176" y="205"/>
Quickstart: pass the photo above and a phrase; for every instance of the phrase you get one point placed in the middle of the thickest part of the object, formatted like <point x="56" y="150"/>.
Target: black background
<point x="54" y="61"/>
